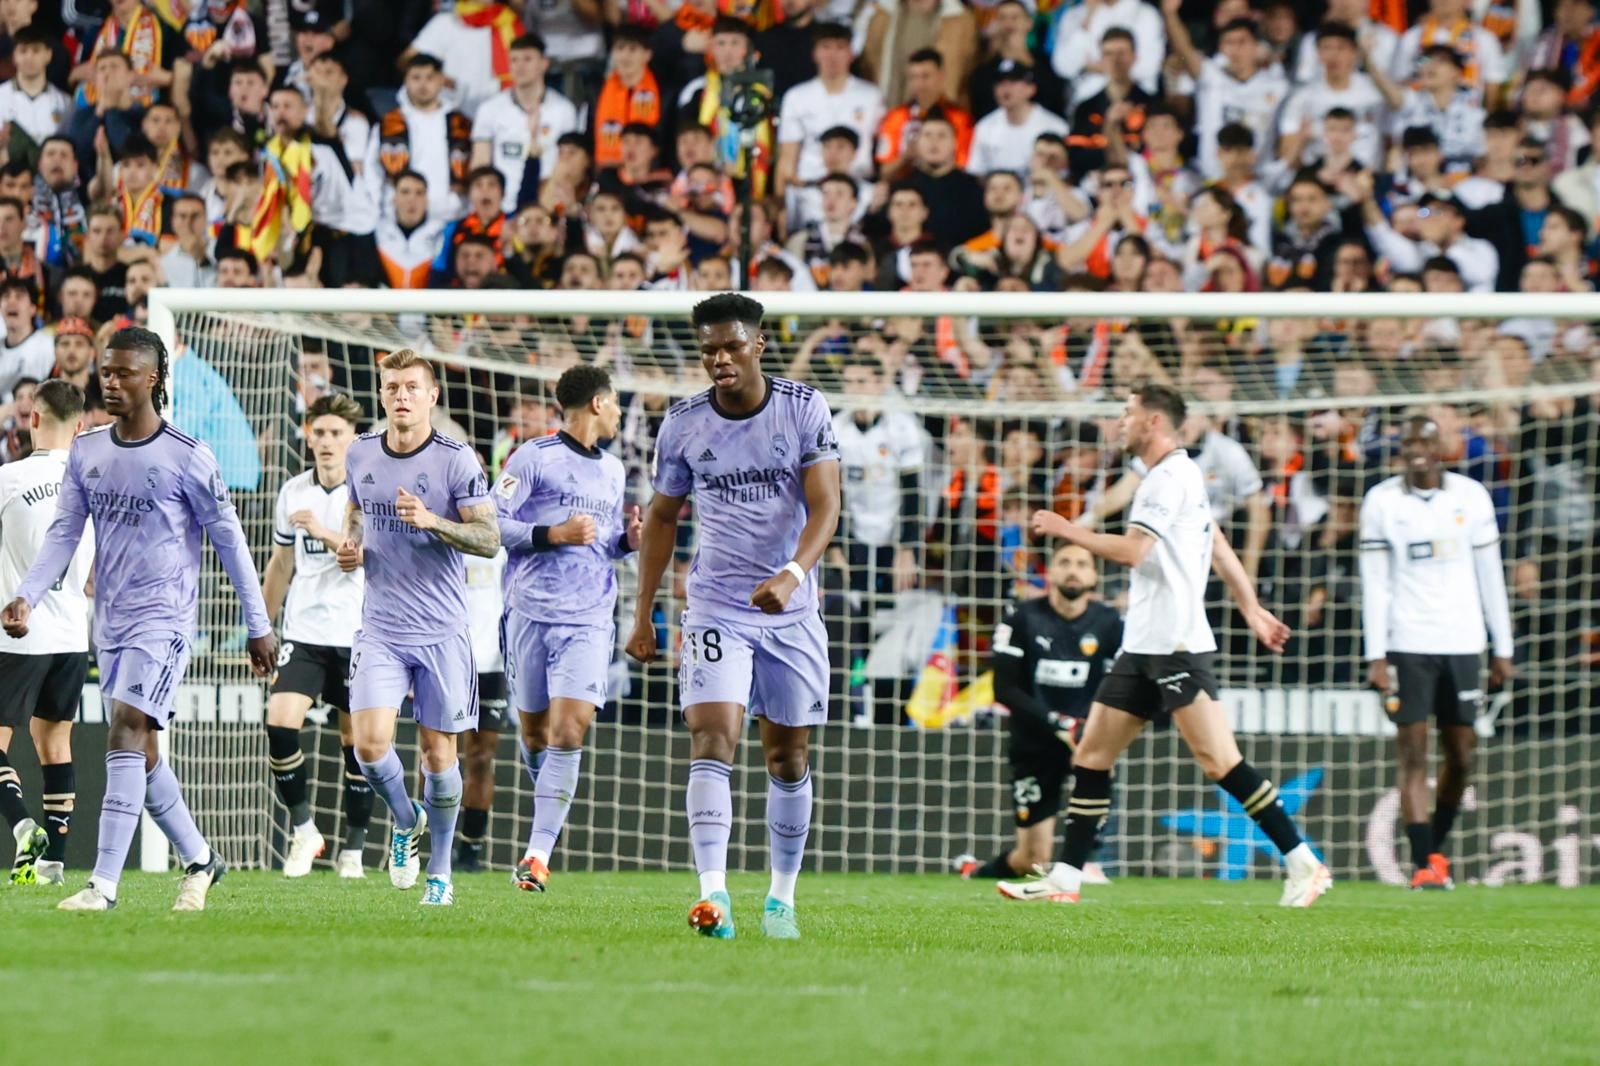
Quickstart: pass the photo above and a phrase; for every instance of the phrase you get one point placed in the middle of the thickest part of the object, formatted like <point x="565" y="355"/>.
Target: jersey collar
<point x="576" y="445"/>
<point x="383" y="439"/>
<point x="762" y="406"/>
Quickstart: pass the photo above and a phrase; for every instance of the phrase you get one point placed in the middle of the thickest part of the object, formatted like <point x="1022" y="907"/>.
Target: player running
<point x="151" y="490"/>
<point x="41" y="675"/>
<point x="560" y="504"/>
<point x="485" y="608"/>
<point x="1165" y="668"/>
<point x="759" y="454"/>
<point x="413" y="637"/>
<point x="319" y="622"/>
<point x="1049" y="655"/>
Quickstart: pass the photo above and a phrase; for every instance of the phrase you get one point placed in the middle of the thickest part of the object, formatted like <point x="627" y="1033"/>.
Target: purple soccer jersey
<point x="149" y="500"/>
<point x="545" y="482"/>
<point x="744" y="472"/>
<point x="416" y="585"/>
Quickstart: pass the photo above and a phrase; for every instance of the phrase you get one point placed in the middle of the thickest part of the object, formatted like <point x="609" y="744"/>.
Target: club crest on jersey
<point x="780" y="446"/>
<point x="422" y="483"/>
<point x="1088" y="644"/>
<point x="150" y="477"/>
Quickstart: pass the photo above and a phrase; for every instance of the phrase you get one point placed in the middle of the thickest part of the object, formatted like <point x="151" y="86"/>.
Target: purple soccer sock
<point x="441" y="798"/>
<point x="788" y="825"/>
<point x="710" y="804"/>
<point x="119" y="817"/>
<point x="163" y="800"/>
<point x="552" y="799"/>
<point x="387" y="777"/>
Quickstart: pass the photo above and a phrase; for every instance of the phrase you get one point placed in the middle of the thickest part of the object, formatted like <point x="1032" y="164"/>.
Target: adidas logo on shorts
<point x="708" y="456"/>
<point x="816" y="707"/>
<point x="461" y="716"/>
<point x="593" y="687"/>
<point x="137" y="690"/>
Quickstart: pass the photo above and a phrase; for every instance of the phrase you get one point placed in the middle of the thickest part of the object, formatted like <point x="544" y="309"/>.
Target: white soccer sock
<point x="713" y="881"/>
<point x="709" y="799"/>
<point x="782" y="887"/>
<point x="1301" y="857"/>
<point x="108" y="889"/>
<point x="306" y="827"/>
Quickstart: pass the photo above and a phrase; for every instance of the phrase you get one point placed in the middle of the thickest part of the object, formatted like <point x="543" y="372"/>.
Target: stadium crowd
<point x="925" y="145"/>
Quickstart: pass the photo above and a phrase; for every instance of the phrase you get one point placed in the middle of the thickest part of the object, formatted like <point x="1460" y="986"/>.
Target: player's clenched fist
<point x="350" y="556"/>
<point x="772" y="595"/>
<point x="642" y="645"/>
<point x="15" y="617"/>
<point x="577" y="529"/>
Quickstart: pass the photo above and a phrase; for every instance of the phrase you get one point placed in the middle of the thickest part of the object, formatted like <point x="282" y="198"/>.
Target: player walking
<point x="485" y="609"/>
<point x="1430" y="551"/>
<point x="560" y="503"/>
<point x="319" y="622"/>
<point x="150" y="490"/>
<point x="41" y="675"/>
<point x="759" y="454"/>
<point x="413" y="636"/>
<point x="1165" y="668"/>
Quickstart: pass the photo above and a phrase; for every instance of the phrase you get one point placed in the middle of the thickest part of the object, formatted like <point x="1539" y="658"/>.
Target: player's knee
<point x="788" y="764"/>
<point x="479" y="761"/>
<point x="1216" y="759"/>
<point x="370" y="749"/>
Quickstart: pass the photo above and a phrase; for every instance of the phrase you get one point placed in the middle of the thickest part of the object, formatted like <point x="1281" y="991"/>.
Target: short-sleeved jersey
<point x="1230" y="474"/>
<point x="416" y="583"/>
<point x="29" y="489"/>
<point x="874" y="457"/>
<point x="1167" y="592"/>
<point x="323" y="606"/>
<point x="1059" y="661"/>
<point x="484" y="606"/>
<point x="544" y="483"/>
<point x="745" y="473"/>
<point x="148" y="499"/>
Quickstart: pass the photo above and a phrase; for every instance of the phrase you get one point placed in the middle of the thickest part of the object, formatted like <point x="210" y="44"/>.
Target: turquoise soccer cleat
<point x="713" y="916"/>
<point x="778" y="920"/>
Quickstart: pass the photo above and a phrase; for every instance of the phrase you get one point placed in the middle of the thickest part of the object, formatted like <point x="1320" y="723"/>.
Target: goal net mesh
<point x="995" y="417"/>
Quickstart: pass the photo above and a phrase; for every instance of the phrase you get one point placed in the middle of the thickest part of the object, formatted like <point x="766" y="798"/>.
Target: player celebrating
<point x="150" y="490"/>
<point x="760" y="456"/>
<point x="1165" y="666"/>
<point x="42" y="674"/>
<point x="319" y="622"/>
<point x="1049" y="655"/>
<point x="1430" y="550"/>
<point x="561" y="518"/>
<point x="413" y="636"/>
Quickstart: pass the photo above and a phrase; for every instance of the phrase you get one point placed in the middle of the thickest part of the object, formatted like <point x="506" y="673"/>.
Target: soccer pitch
<point x="892" y="969"/>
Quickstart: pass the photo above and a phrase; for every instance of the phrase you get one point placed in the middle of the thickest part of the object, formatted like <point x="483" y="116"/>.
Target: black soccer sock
<point x="1259" y="798"/>
<point x="995" y="869"/>
<point x="1421" y="836"/>
<point x="1444" y="819"/>
<point x="474" y="826"/>
<point x="1087" y="811"/>
<point x="288" y="765"/>
<point x="13" y="807"/>
<point x="357" y="803"/>
<point x="60" y="794"/>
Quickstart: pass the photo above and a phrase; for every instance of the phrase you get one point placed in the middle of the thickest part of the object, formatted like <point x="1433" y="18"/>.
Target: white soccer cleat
<point x="197" y="882"/>
<point x="1305" y="886"/>
<point x="89" y="899"/>
<point x="348" y="865"/>
<point x="305" y="847"/>
<point x="403" y="843"/>
<point x="438" y="892"/>
<point x="50" y="873"/>
<point x="1051" y="886"/>
<point x="1095" y="874"/>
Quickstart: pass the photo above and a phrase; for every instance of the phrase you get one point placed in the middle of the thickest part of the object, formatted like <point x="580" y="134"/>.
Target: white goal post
<point x="1010" y="396"/>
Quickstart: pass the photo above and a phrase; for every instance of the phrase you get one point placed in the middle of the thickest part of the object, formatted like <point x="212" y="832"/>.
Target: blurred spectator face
<point x="141" y="279"/>
<point x="1212" y="385"/>
<point x="474" y="262"/>
<point x="626" y="275"/>
<point x="74" y="352"/>
<point x="1020" y="240"/>
<point x="1013" y="93"/>
<point x="137" y="173"/>
<point x="1048" y="158"/>
<point x="1207" y="212"/>
<point x="773" y="275"/>
<point x="1116" y="56"/>
<point x="1162" y="275"/>
<point x="160" y="125"/>
<point x="1542" y="99"/>
<point x="1162" y="134"/>
<point x="112" y="75"/>
<point x="1540" y="276"/>
<point x="1239" y="49"/>
<point x="529" y="419"/>
<point x="832" y="58"/>
<point x="1573" y="17"/>
<point x="77" y="297"/>
<point x="1514" y="360"/>
<point x="607" y="216"/>
<point x="961" y="444"/>
<point x="729" y="51"/>
<point x="1021" y="450"/>
<point x="1385" y="338"/>
<point x="1128" y="265"/>
<point x="1533" y="170"/>
<point x="17" y="309"/>
<point x="1442" y="281"/>
<point x="58" y="165"/>
<point x="638" y="151"/>
<point x="936" y="145"/>
<point x="838" y="155"/>
<point x="694" y="146"/>
<point x="10" y="227"/>
<point x="1116" y="186"/>
<point x="220" y="155"/>
<point x="22" y="396"/>
<point x="1279" y="442"/>
<point x="485" y="195"/>
<point x="17" y="186"/>
<point x="628" y="59"/>
<point x="1236" y="160"/>
<point x="925" y="84"/>
<point x="1288" y="334"/>
<point x="1352" y="270"/>
<point x="234" y="274"/>
<point x="1002" y="194"/>
<point x="410" y="201"/>
<point x="1424" y="161"/>
<point x="1353" y="381"/>
<point x="316" y="374"/>
<point x="328" y="75"/>
<point x="1308" y="205"/>
<point x="1010" y="21"/>
<point x="662" y="233"/>
<point x="578" y="272"/>
<point x="423" y="85"/>
<point x="31" y="59"/>
<point x="535" y="228"/>
<point x="572" y="160"/>
<point x="863" y="382"/>
<point x="247" y="92"/>
<point x="1439" y="224"/>
<point x="848" y="277"/>
<point x="1278" y="24"/>
<point x="908" y="212"/>
<point x="838" y="201"/>
<point x="1441" y="75"/>
<point x="1407" y="221"/>
<point x="287" y="112"/>
<point x="1339" y="134"/>
<point x="188" y="219"/>
<point x="1338" y="58"/>
<point x="1557" y="238"/>
<point x="528" y="66"/>
<point x="1225" y="273"/>
<point x="713" y="275"/>
<point x="310" y="42"/>
<point x="928" y="272"/>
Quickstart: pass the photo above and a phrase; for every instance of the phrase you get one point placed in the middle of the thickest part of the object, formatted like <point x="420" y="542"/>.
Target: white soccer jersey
<point x="1311" y="102"/>
<point x="1230" y="474"/>
<point x="998" y="145"/>
<point x="1479" y="49"/>
<point x="513" y="135"/>
<point x="33" y="358"/>
<point x="1431" y="573"/>
<point x="809" y="111"/>
<point x="1167" y="592"/>
<point x="873" y="460"/>
<point x="1458" y="125"/>
<point x="1220" y="98"/>
<point x="39" y="116"/>
<point x="28" y="490"/>
<point x="324" y="603"/>
<point x="485" y="604"/>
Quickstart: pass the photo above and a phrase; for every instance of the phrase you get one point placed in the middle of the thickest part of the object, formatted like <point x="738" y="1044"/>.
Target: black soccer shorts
<point x="318" y="671"/>
<point x="48" y="686"/>
<point x="1153" y="686"/>
<point x="492" y="703"/>
<point x="1447" y="688"/>
<point x="1040" y="764"/>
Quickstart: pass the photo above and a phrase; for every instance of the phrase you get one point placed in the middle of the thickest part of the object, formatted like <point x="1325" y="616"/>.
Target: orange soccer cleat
<point x="1434" y="877"/>
<point x="532" y="875"/>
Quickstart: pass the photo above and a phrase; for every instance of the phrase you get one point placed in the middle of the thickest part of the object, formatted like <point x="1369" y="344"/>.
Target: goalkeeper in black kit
<point x="1049" y="655"/>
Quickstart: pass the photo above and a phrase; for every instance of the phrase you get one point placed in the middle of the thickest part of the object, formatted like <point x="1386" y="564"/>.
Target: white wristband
<point x="792" y="567"/>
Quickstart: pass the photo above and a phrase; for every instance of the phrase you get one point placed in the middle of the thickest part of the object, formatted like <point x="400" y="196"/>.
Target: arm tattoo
<point x="477" y="534"/>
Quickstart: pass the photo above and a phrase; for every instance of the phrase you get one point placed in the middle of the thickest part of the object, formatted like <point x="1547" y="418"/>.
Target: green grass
<point x="892" y="969"/>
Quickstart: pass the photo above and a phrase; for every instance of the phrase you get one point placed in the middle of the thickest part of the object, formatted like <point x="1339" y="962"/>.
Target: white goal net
<point x="970" y="412"/>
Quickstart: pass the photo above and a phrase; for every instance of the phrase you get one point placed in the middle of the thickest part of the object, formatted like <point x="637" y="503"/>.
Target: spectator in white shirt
<point x="188" y="264"/>
<point x="468" y="52"/>
<point x="1449" y="23"/>
<point x="1081" y="29"/>
<point x="516" y="130"/>
<point x="28" y="102"/>
<point x="1441" y="230"/>
<point x="1341" y="86"/>
<point x="1442" y="103"/>
<point x="332" y="117"/>
<point x="1236" y="154"/>
<point x="1004" y="138"/>
<point x="1376" y="39"/>
<point x="1235" y="85"/>
<point x="28" y="351"/>
<point x="1546" y="117"/>
<point x="833" y="98"/>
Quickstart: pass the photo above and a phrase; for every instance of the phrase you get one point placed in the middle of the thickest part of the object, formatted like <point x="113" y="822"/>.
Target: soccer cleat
<point x="1042" y="889"/>
<point x="50" y="873"/>
<point x="197" y="882"/>
<point x="305" y="847"/>
<point x="31" y="844"/>
<point x="713" y="916"/>
<point x="468" y="858"/>
<point x="1433" y="877"/>
<point x="1305" y="886"/>
<point x="1095" y="874"/>
<point x="966" y="865"/>
<point x="348" y="865"/>
<point x="531" y="875"/>
<point x="89" y="899"/>
<point x="778" y="921"/>
<point x="438" y="892"/>
<point x="403" y="850"/>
